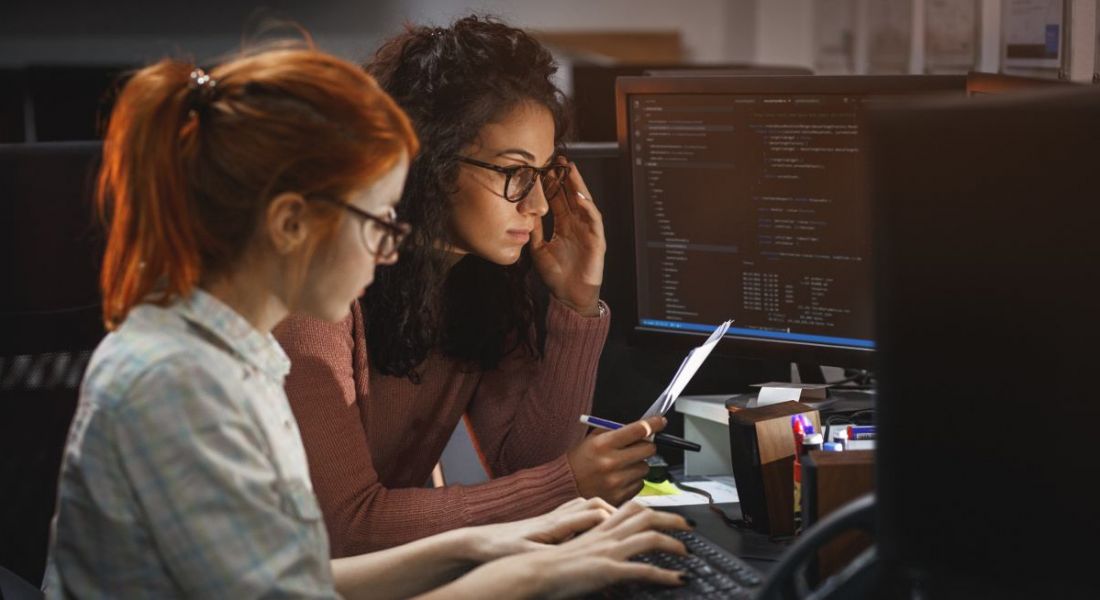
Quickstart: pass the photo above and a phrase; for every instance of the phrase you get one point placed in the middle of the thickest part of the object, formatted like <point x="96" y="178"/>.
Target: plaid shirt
<point x="184" y="473"/>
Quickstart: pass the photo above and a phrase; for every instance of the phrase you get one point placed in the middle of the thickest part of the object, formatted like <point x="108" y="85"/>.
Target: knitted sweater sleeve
<point x="526" y="412"/>
<point x="328" y="391"/>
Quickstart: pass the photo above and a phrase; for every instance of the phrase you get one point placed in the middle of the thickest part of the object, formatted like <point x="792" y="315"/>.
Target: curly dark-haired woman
<point x="481" y="317"/>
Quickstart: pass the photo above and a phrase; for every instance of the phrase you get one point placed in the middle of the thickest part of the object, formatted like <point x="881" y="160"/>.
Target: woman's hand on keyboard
<point x="588" y="562"/>
<point x="600" y="557"/>
<point x="489" y="542"/>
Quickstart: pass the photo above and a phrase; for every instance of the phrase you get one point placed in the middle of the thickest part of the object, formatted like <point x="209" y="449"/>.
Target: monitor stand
<point x="810" y="373"/>
<point x="807" y="373"/>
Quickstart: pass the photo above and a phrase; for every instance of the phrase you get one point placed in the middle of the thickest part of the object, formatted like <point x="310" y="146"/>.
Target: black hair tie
<point x="202" y="90"/>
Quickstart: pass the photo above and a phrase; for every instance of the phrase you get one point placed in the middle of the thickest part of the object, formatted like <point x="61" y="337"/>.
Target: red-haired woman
<point x="265" y="187"/>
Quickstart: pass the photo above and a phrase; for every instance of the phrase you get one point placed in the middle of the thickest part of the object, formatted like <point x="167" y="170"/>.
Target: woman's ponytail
<point x="142" y="193"/>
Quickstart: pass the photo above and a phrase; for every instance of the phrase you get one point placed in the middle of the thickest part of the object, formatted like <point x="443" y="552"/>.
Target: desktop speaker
<point x="762" y="456"/>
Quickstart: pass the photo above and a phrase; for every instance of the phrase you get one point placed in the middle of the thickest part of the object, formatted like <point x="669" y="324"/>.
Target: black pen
<point x="661" y="439"/>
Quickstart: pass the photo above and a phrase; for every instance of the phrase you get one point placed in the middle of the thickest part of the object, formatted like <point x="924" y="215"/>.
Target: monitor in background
<point x="44" y="103"/>
<point x="756" y="71"/>
<point x="50" y="320"/>
<point x="594" y="90"/>
<point x="13" y="127"/>
<point x="987" y="323"/>
<point x="52" y="244"/>
<point x="749" y="203"/>
<point x="980" y="84"/>
<point x="600" y="165"/>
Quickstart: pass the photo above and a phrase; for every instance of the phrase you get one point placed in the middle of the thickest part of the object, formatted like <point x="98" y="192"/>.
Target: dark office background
<point x="59" y="63"/>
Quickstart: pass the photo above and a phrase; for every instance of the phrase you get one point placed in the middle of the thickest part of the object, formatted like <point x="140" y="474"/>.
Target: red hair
<point x="184" y="181"/>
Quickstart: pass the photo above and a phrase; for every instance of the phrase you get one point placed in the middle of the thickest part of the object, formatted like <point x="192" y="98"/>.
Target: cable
<point x="728" y="520"/>
<point x="862" y="378"/>
<point x="738" y="524"/>
<point x="867" y="411"/>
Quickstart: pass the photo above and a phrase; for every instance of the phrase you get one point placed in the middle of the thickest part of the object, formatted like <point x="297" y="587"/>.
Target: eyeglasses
<point x="393" y="231"/>
<point x="519" y="180"/>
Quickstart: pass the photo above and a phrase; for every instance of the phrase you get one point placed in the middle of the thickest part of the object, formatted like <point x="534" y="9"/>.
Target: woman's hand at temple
<point x="571" y="262"/>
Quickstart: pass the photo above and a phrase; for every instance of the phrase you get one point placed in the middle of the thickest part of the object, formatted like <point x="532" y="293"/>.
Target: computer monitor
<point x="980" y="84"/>
<point x="755" y="71"/>
<point x="986" y="218"/>
<point x="600" y="165"/>
<point x="594" y="89"/>
<point x="50" y="320"/>
<point x="13" y="128"/>
<point x="749" y="204"/>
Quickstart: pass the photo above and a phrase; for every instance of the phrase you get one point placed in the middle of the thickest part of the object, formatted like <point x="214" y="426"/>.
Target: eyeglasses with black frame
<point x="393" y="231"/>
<point x="519" y="180"/>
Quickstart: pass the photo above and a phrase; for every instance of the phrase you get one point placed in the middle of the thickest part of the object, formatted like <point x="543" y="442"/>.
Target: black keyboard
<point x="714" y="573"/>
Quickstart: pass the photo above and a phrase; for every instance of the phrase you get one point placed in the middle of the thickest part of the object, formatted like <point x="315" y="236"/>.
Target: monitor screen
<point x="594" y="88"/>
<point x="986" y="215"/>
<point x="749" y="204"/>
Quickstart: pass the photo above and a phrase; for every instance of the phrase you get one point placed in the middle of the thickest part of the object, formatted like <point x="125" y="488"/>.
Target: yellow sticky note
<point x="665" y="488"/>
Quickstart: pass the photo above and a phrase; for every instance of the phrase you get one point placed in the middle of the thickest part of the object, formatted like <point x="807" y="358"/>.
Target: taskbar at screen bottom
<point x="761" y="334"/>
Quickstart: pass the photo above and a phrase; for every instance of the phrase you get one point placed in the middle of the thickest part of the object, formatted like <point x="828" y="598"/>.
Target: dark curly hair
<point x="452" y="82"/>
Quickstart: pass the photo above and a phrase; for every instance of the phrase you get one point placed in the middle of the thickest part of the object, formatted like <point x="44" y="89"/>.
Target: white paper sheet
<point x="721" y="491"/>
<point x="688" y="367"/>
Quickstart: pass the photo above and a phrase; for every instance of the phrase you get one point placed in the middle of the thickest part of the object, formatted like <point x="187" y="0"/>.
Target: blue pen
<point x="661" y="439"/>
<point x="600" y="423"/>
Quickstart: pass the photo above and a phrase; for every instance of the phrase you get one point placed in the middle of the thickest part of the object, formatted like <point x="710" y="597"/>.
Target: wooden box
<point x="829" y="481"/>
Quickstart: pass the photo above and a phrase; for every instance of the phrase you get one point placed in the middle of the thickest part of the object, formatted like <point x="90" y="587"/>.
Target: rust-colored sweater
<point x="372" y="440"/>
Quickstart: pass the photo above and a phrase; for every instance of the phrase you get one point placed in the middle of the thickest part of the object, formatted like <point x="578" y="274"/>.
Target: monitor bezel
<point x="734" y="345"/>
<point x="979" y="83"/>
